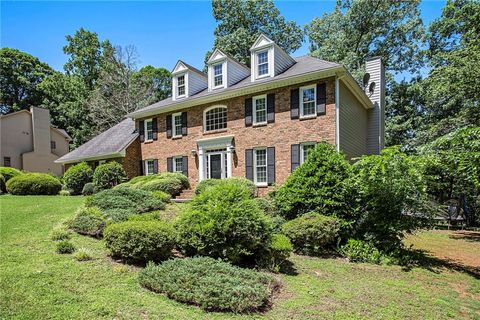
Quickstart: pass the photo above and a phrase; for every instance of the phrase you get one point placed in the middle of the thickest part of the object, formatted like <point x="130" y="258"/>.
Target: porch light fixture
<point x="194" y="153"/>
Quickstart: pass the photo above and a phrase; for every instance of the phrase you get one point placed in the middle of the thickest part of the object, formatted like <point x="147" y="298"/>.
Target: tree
<point x="356" y="30"/>
<point x="20" y="73"/>
<point x="241" y="22"/>
<point x="86" y="56"/>
<point x="158" y="80"/>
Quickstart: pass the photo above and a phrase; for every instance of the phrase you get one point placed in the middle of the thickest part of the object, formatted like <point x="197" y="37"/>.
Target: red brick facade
<point x="281" y="134"/>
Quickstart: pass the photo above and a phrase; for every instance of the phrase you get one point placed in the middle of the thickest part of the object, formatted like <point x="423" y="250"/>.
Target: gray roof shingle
<point x="109" y="142"/>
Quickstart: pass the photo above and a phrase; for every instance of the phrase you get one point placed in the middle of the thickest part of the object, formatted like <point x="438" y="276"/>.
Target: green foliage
<point x="125" y="198"/>
<point x="362" y="251"/>
<point x="64" y="193"/>
<point x="277" y="252"/>
<point x="65" y="247"/>
<point x="224" y="222"/>
<point x="77" y="176"/>
<point x="118" y="214"/>
<point x="149" y="216"/>
<point x="88" y="221"/>
<point x="83" y="254"/>
<point x="313" y="233"/>
<point x="241" y="22"/>
<point x="321" y="183"/>
<point x="9" y="173"/>
<point x="162" y="196"/>
<point x="108" y="175"/>
<point x="205" y="184"/>
<point x="158" y="79"/>
<point x="168" y="182"/>
<point x="59" y="234"/>
<point x="88" y="189"/>
<point x="211" y="284"/>
<point x="20" y="73"/>
<point x="3" y="188"/>
<point x="140" y="241"/>
<point x="34" y="184"/>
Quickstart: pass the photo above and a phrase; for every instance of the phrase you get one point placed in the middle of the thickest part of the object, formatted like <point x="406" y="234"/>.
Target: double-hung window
<point x="215" y="118"/>
<point x="177" y="124"/>
<point x="262" y="63"/>
<point x="181" y="86"/>
<point x="305" y="149"/>
<point x="149" y="167"/>
<point x="218" y="75"/>
<point x="178" y="164"/>
<point x="260" y="166"/>
<point x="7" y="162"/>
<point x="148" y="130"/>
<point x="308" y="101"/>
<point x="260" y="109"/>
<point x="53" y="145"/>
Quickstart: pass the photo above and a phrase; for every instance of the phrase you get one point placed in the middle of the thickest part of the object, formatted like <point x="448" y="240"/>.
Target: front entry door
<point x="215" y="166"/>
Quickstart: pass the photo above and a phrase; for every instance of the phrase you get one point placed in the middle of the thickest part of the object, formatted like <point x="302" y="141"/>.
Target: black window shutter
<point x="141" y="130"/>
<point x="294" y="102"/>
<point x="169" y="126"/>
<point x="295" y="156"/>
<point x="321" y="98"/>
<point x="271" y="107"/>
<point x="142" y="165"/>
<point x="249" y="164"/>
<point x="248" y="112"/>
<point x="155" y="128"/>
<point x="185" y="165"/>
<point x="184" y="123"/>
<point x="155" y="166"/>
<point x="271" y="165"/>
<point x="170" y="164"/>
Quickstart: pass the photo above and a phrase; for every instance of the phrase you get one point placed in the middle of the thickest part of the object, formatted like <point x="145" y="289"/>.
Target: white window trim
<point x="147" y="173"/>
<point x="314" y="86"/>
<point x="254" y="108"/>
<point x="174" y="163"/>
<point x="258" y="76"/>
<point x="302" y="145"/>
<point x="185" y="85"/>
<point x="178" y="114"/>
<point x="222" y="64"/>
<point x="260" y="184"/>
<point x="205" y="117"/>
<point x="146" y="131"/>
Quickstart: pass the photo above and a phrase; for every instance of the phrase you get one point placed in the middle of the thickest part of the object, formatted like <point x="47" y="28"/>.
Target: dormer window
<point x="262" y="63"/>
<point x="218" y="75"/>
<point x="181" y="85"/>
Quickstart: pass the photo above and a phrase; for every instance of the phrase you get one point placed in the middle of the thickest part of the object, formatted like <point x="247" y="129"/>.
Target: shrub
<point x="223" y="222"/>
<point x="64" y="193"/>
<point x="65" y="247"/>
<point x="34" y="184"/>
<point x="171" y="186"/>
<point x="278" y="251"/>
<point x="3" y="188"/>
<point x="149" y="216"/>
<point x="9" y="173"/>
<point x="88" y="189"/>
<point x="267" y="205"/>
<point x="163" y="196"/>
<point x="118" y="214"/>
<point x="362" y="251"/>
<point x="88" y="221"/>
<point x="168" y="182"/>
<point x="83" y="254"/>
<point x="140" y="241"/>
<point x="125" y="198"/>
<point x="313" y="233"/>
<point x="108" y="175"/>
<point x="60" y="234"/>
<point x="210" y="284"/>
<point x="205" y="184"/>
<point x="176" y="175"/>
<point x="318" y="184"/>
<point x="77" y="176"/>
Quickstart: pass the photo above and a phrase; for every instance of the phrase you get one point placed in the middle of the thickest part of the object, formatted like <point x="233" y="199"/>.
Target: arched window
<point x="215" y="118"/>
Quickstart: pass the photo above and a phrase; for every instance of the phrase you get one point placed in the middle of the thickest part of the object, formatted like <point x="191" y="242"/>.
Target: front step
<point x="185" y="196"/>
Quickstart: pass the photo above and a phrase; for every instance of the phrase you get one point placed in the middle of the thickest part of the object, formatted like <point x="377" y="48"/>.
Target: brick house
<point x="259" y="122"/>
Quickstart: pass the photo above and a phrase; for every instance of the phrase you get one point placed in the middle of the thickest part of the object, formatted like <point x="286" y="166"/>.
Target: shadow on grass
<point x="466" y="235"/>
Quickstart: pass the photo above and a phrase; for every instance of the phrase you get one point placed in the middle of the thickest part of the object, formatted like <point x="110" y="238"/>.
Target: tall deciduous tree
<point x="241" y="22"/>
<point x="158" y="80"/>
<point x="20" y="73"/>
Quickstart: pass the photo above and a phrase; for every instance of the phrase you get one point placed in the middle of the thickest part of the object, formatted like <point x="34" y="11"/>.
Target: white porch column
<point x="229" y="161"/>
<point x="201" y="164"/>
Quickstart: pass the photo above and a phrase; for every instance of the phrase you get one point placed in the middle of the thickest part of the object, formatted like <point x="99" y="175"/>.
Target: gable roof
<point x="187" y="66"/>
<point x="108" y="144"/>
<point x="220" y="55"/>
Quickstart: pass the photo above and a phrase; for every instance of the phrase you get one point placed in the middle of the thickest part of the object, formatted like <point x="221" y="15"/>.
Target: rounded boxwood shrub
<point x="211" y="284"/>
<point x="88" y="189"/>
<point x="88" y="221"/>
<point x="109" y="175"/>
<point x="3" y="188"/>
<point x="8" y="173"/>
<point x="34" y="184"/>
<point x="65" y="247"/>
<point x="125" y="198"/>
<point x="77" y="176"/>
<point x="140" y="241"/>
<point x="224" y="222"/>
<point x="318" y="184"/>
<point x="313" y="233"/>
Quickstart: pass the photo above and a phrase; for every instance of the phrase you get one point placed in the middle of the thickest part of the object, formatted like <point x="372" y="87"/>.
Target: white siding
<point x="376" y="118"/>
<point x="353" y="121"/>
<point x="282" y="61"/>
<point x="235" y="72"/>
<point x="196" y="83"/>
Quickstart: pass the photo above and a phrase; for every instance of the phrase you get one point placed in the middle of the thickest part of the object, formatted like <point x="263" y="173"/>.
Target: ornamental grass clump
<point x="211" y="284"/>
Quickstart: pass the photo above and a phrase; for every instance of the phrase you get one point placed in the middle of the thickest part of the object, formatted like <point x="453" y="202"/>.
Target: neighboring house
<point x="119" y="143"/>
<point x="29" y="142"/>
<point x="259" y="122"/>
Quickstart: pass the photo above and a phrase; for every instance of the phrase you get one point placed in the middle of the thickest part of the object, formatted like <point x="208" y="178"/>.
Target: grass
<point x="37" y="283"/>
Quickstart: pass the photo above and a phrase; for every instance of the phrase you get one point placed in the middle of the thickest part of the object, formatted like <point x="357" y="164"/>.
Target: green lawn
<point x="37" y="283"/>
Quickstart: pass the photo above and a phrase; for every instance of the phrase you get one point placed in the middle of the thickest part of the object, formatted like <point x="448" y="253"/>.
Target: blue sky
<point x="163" y="32"/>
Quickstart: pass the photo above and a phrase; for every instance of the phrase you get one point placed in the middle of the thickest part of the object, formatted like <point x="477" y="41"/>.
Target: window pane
<point x="308" y="101"/>
<point x="178" y="164"/>
<point x="260" y="110"/>
<point x="181" y="85"/>
<point x="149" y="130"/>
<point x="177" y="125"/>
<point x="262" y="58"/>
<point x="261" y="165"/>
<point x="149" y="167"/>
<point x="216" y="119"/>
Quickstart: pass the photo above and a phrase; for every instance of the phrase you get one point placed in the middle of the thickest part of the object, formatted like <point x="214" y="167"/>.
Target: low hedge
<point x="313" y="233"/>
<point x="140" y="241"/>
<point x="211" y="284"/>
<point x="125" y="198"/>
<point x="88" y="221"/>
<point x="77" y="176"/>
<point x="33" y="184"/>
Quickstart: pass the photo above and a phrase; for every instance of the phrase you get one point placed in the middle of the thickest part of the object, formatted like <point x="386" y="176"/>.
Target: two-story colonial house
<point x="259" y="122"/>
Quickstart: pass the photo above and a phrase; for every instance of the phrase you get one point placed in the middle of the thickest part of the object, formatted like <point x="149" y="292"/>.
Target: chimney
<point x="375" y="90"/>
<point x="41" y="130"/>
